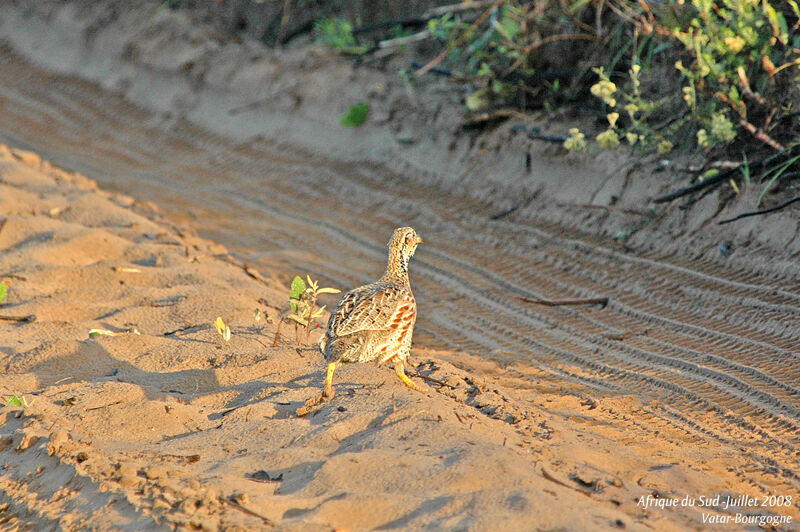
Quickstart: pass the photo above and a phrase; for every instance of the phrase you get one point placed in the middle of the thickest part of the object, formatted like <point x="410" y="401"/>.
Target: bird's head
<point x="405" y="240"/>
<point x="402" y="246"/>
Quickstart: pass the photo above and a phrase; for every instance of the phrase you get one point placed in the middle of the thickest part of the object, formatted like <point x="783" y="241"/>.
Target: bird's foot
<point x="313" y="403"/>
<point x="401" y="373"/>
<point x="328" y="392"/>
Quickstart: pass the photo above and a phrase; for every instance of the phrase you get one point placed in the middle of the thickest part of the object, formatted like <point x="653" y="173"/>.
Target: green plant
<point x="258" y="316"/>
<point x="302" y="306"/>
<point x="3" y="290"/>
<point x="355" y="115"/>
<point x="733" y="47"/>
<point x="725" y="53"/>
<point x="745" y="169"/>
<point x="16" y="400"/>
<point x="731" y="66"/>
<point x="498" y="55"/>
<point x="776" y="173"/>
<point x="630" y="104"/>
<point x="337" y="33"/>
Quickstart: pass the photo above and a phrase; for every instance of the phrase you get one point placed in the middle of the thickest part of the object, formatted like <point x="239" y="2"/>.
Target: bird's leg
<point x="326" y="395"/>
<point x="401" y="372"/>
<point x="328" y="391"/>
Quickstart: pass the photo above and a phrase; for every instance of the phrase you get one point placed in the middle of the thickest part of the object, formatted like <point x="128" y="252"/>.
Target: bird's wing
<point x="372" y="308"/>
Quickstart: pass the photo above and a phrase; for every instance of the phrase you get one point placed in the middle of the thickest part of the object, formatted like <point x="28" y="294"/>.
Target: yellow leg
<point x="401" y="372"/>
<point x="327" y="391"/>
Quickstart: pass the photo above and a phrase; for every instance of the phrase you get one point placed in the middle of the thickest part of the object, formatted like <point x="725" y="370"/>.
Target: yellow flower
<point x="664" y="146"/>
<point x="575" y="141"/>
<point x="722" y="128"/>
<point x="632" y="138"/>
<point x="612" y="118"/>
<point x="608" y="139"/>
<point x="734" y="44"/>
<point x="689" y="96"/>
<point x="702" y="139"/>
<point x="605" y="90"/>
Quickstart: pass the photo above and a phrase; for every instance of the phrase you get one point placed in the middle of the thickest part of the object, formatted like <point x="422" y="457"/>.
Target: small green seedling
<point x="223" y="329"/>
<point x="3" y="291"/>
<point x="260" y="318"/>
<point x="355" y="116"/>
<point x="337" y="33"/>
<point x="16" y="400"/>
<point x="302" y="304"/>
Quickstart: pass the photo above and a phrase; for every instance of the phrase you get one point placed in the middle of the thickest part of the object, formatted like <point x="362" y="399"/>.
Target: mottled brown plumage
<point x="376" y="321"/>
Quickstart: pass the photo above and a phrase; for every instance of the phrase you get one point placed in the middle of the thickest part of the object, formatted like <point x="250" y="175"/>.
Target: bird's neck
<point x="397" y="268"/>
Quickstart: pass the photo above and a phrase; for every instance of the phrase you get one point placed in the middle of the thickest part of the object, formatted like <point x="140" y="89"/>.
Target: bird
<point x="376" y="321"/>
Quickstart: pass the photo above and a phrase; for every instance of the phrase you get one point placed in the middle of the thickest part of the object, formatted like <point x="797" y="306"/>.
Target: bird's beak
<point x="419" y="240"/>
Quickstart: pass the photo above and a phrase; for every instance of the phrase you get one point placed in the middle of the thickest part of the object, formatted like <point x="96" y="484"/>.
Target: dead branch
<point x="555" y="139"/>
<point x="456" y="8"/>
<point x="28" y="318"/>
<point x="746" y="90"/>
<point x="422" y="19"/>
<point x="431" y="379"/>
<point x="722" y="165"/>
<point x="720" y="177"/>
<point x="705" y="183"/>
<point x="763" y="211"/>
<point x="602" y="301"/>
<point x="248" y="511"/>
<point x="761" y="135"/>
<point x="757" y="132"/>
<point x="402" y="41"/>
<point x="441" y="71"/>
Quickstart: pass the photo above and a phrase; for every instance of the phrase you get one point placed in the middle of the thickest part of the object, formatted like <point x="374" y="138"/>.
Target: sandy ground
<point x="685" y="385"/>
<point x="166" y="424"/>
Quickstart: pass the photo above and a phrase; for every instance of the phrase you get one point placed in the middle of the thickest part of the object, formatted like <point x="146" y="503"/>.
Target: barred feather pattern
<point x="376" y="321"/>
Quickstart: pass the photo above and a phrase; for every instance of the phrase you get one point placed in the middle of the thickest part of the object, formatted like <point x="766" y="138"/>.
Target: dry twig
<point x="431" y="379"/>
<point x="761" y="135"/>
<point x="248" y="511"/>
<point x="28" y="318"/>
<point x="763" y="211"/>
<point x="602" y="301"/>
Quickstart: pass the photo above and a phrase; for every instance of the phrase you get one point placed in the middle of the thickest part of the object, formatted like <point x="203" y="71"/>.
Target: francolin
<point x="376" y="321"/>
